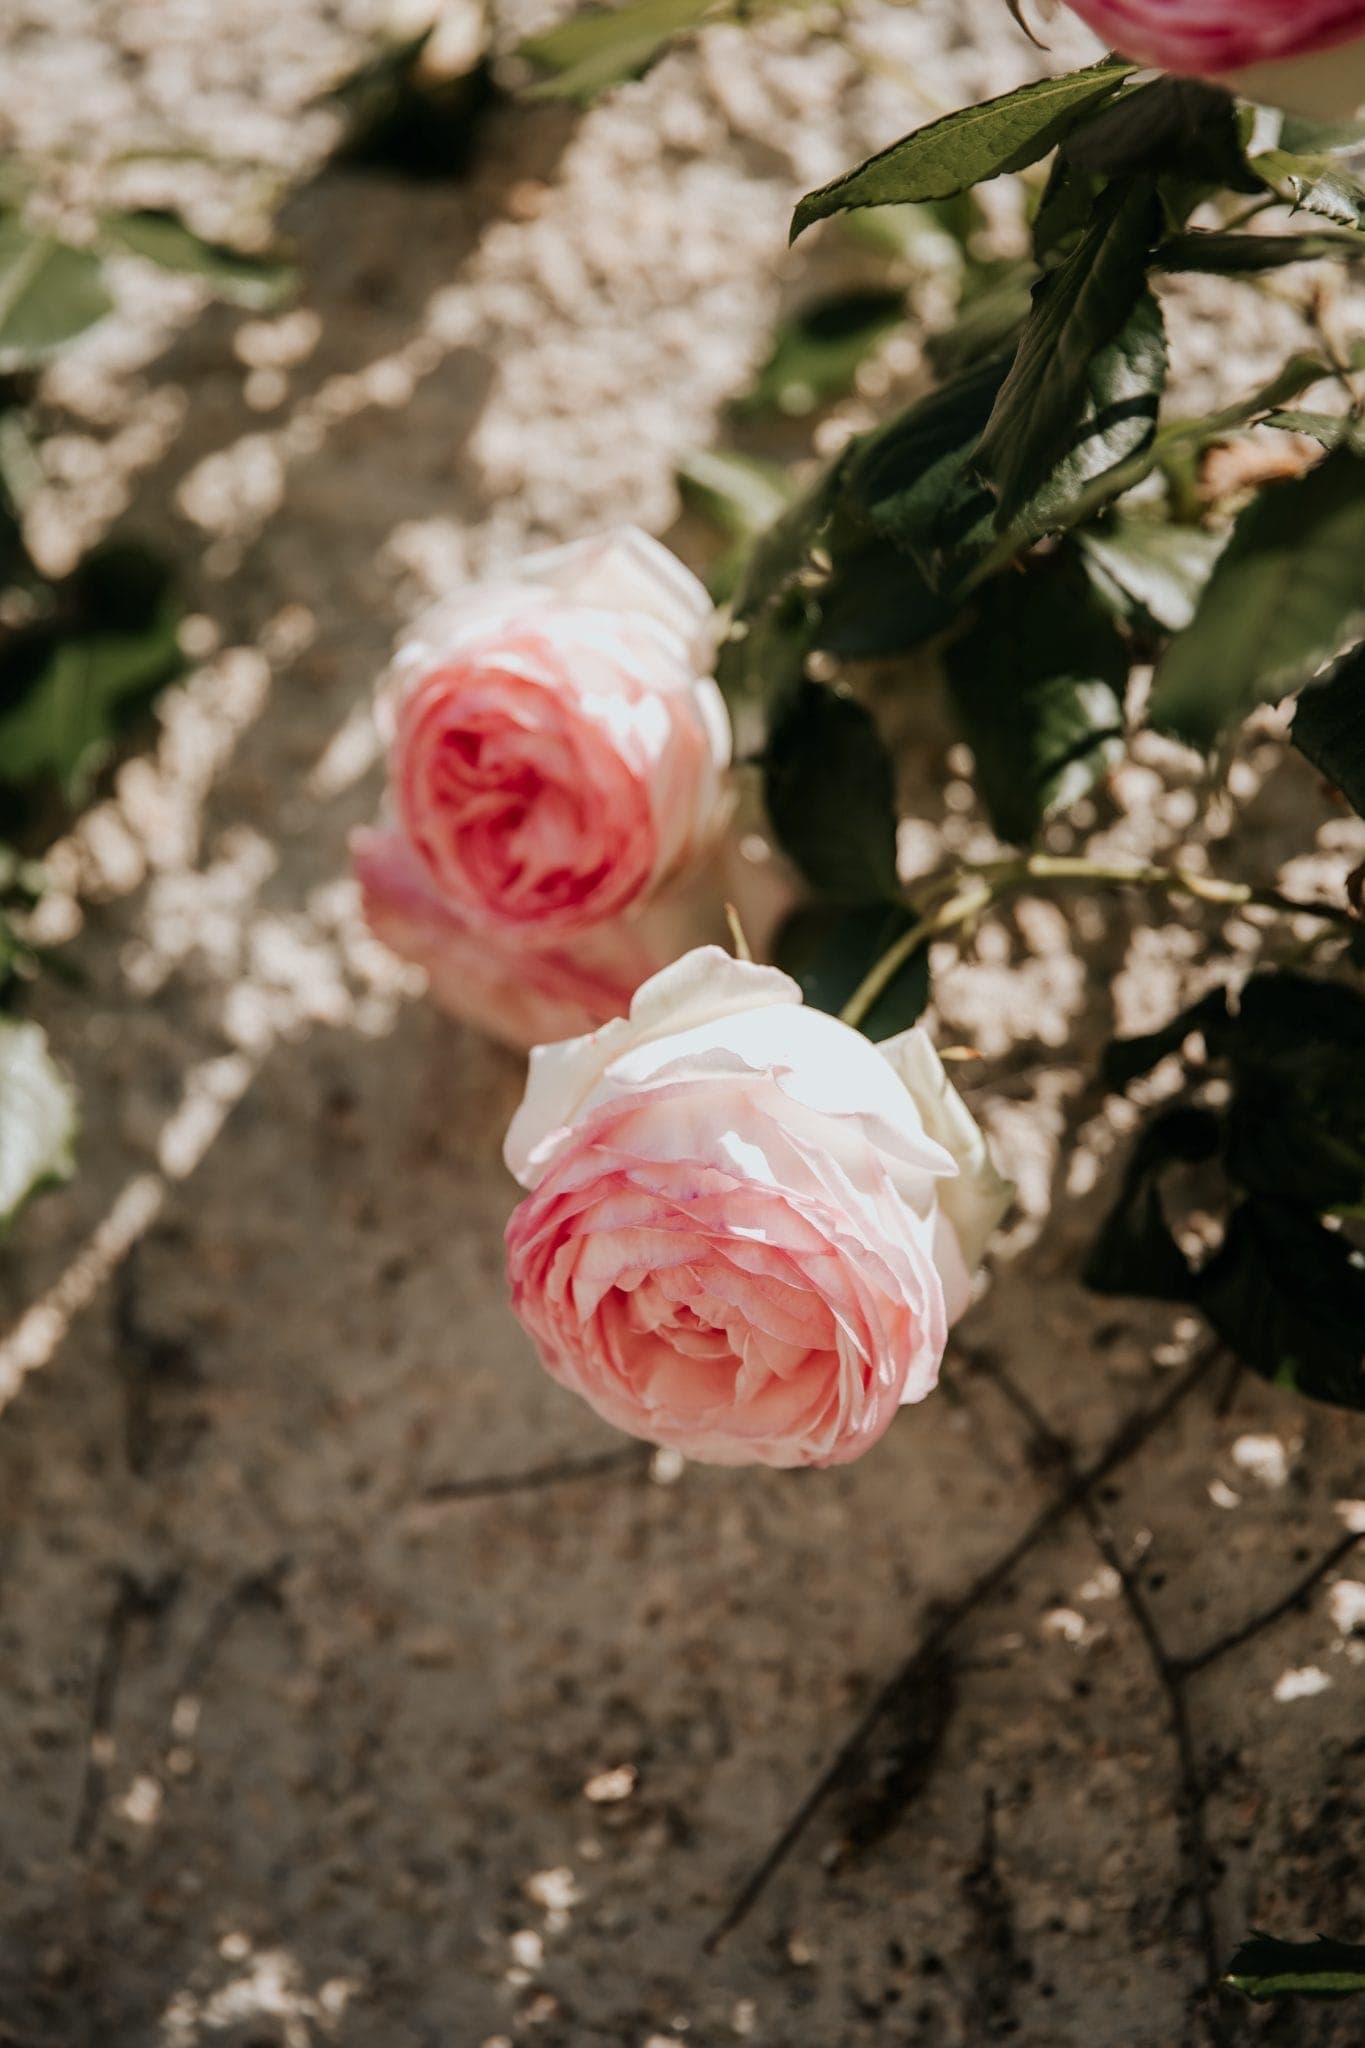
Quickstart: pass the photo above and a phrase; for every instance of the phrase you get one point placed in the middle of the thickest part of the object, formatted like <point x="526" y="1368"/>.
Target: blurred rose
<point x="519" y="993"/>
<point x="1285" y="52"/>
<point x="748" y="1228"/>
<point x="557" y="788"/>
<point x="529" y="994"/>
<point x="558" y="746"/>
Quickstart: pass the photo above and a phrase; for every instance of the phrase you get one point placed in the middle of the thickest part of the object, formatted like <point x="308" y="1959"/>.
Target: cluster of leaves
<point x="1272" y="1120"/>
<point x="80" y="654"/>
<point x="1040" y="525"/>
<point x="52" y="289"/>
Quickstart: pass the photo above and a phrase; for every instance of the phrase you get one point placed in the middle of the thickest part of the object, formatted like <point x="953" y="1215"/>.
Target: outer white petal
<point x="819" y="1063"/>
<point x="977" y="1199"/>
<point x="1326" y="85"/>
<point x="715" y="719"/>
<point x="702" y="987"/>
<point x="624" y="570"/>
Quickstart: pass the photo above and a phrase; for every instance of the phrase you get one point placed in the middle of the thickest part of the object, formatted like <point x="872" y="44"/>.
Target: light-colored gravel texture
<point x="392" y="1771"/>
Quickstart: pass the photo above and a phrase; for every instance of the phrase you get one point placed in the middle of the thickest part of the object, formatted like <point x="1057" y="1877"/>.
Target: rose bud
<point x="1288" y="53"/>
<point x="748" y="1228"/>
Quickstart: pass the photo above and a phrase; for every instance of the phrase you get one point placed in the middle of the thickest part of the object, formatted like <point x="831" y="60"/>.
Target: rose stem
<point x="993" y="881"/>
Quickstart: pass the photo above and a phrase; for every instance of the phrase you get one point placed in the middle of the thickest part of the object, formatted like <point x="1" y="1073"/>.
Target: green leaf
<point x="831" y="947"/>
<point x="1296" y="1122"/>
<point x="851" y="567"/>
<point x="1266" y="1968"/>
<point x="1286" y="1289"/>
<point x="1036" y="687"/>
<point x="68" y="683"/>
<point x="875" y="603"/>
<point x="1128" y="1059"/>
<point x="606" y="46"/>
<point x="22" y="883"/>
<point x="1234" y="255"/>
<point x="1288" y="1296"/>
<point x="1319" y="184"/>
<point x="739" y="495"/>
<point x="1179" y="129"/>
<point x="1136" y="1251"/>
<point x="1299" y="374"/>
<point x="831" y="795"/>
<point x="261" y="282"/>
<point x="989" y="321"/>
<point x="1286" y="593"/>
<point x="49" y="294"/>
<point x="817" y="353"/>
<point x="1065" y="207"/>
<point x="911" y="479"/>
<point x="963" y="149"/>
<point x="1174" y="441"/>
<point x="1151" y="571"/>
<point x="1332" y="429"/>
<point x="1078" y="310"/>
<point x="1117" y="420"/>
<point x="1329" y="726"/>
<point x="1301" y="135"/>
<point x="37" y="1118"/>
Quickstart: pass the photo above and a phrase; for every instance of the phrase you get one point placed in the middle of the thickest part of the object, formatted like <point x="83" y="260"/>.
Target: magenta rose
<point x="748" y="1228"/>
<point x="558" y="746"/>
<point x="1287" y="52"/>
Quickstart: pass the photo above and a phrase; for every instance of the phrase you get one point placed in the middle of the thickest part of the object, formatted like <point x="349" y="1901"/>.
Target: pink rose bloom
<point x="748" y="1228"/>
<point x="558" y="746"/>
<point x="522" y="994"/>
<point x="1286" y="52"/>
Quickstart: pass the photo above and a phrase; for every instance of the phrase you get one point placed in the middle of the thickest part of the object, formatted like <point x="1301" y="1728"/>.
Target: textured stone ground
<point x="376" y="1767"/>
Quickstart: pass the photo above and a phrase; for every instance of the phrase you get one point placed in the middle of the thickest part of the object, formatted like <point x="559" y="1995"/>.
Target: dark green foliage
<point x="830" y="947"/>
<point x="1286" y="1288"/>
<point x="1266" y="1968"/>
<point x="1245" y="255"/>
<point x="1174" y="128"/>
<point x="816" y="354"/>
<point x="49" y="293"/>
<point x="106" y="641"/>
<point x="963" y="149"/>
<point x="831" y="794"/>
<point x="1136" y="1251"/>
<point x="1329" y="726"/>
<point x="1036" y="686"/>
<point x="261" y="282"/>
<point x="1079" y="309"/>
<point x="1286" y="594"/>
<point x="1288" y="1296"/>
